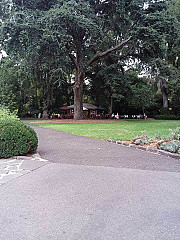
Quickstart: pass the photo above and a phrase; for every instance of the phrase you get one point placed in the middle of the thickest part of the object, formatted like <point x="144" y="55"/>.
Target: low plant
<point x="169" y="143"/>
<point x="170" y="146"/>
<point x="142" y="140"/>
<point x="15" y="137"/>
<point x="177" y="133"/>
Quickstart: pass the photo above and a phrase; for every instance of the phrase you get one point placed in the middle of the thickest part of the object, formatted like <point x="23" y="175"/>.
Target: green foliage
<point x="166" y="114"/>
<point x="48" y="38"/>
<point x="142" y="95"/>
<point x="16" y="138"/>
<point x="166" y="117"/>
<point x="6" y="114"/>
<point x="10" y="94"/>
<point x="177" y="133"/>
<point x="142" y="140"/>
<point x="172" y="146"/>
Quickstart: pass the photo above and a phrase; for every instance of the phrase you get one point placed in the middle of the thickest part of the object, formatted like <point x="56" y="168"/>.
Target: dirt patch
<point x="78" y="121"/>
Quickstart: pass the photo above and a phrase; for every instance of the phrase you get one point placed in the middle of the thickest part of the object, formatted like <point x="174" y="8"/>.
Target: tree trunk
<point x="46" y="104"/>
<point x="111" y="106"/>
<point x="164" y="94"/>
<point x="45" y="113"/>
<point x="78" y="96"/>
<point x="78" y="85"/>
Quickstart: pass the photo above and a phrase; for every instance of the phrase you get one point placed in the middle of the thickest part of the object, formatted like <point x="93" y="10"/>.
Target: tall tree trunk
<point x="164" y="94"/>
<point x="46" y="104"/>
<point x="78" y="95"/>
<point x="78" y="85"/>
<point x="111" y="106"/>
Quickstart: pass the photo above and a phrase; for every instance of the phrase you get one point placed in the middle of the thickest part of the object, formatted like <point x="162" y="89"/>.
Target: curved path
<point x="60" y="147"/>
<point x="92" y="190"/>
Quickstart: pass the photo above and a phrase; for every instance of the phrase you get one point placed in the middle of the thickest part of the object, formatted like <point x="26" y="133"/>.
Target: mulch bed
<point x="78" y="121"/>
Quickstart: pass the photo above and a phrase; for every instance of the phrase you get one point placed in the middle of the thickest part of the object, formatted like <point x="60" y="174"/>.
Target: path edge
<point x="144" y="148"/>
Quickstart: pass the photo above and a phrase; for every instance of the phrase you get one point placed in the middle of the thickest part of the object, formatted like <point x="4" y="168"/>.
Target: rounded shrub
<point x="16" y="138"/>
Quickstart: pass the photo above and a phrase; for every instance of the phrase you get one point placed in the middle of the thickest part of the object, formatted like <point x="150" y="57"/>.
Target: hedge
<point x="16" y="138"/>
<point x="167" y="117"/>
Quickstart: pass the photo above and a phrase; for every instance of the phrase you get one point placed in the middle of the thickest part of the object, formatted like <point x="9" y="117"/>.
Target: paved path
<point x="15" y="167"/>
<point x="59" y="147"/>
<point x="92" y="190"/>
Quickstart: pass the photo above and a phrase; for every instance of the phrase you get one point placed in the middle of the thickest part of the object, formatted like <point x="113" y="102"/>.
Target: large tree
<point x="88" y="31"/>
<point x="93" y="30"/>
<point x="24" y="39"/>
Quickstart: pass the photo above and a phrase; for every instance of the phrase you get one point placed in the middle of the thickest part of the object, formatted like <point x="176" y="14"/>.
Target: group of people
<point x="115" y="116"/>
<point x="133" y="116"/>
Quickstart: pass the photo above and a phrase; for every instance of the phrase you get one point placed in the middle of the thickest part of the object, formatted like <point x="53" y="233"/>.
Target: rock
<point x="154" y="150"/>
<point x="142" y="148"/>
<point x="125" y="143"/>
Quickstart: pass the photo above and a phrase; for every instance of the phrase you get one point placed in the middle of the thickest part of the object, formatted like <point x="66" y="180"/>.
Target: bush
<point x="166" y="114"/>
<point x="167" y="117"/>
<point x="16" y="138"/>
<point x="6" y="114"/>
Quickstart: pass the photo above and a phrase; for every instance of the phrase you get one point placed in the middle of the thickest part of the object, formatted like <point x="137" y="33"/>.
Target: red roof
<point x="64" y="108"/>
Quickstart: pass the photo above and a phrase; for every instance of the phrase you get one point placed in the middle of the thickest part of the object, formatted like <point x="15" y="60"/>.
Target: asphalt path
<point x="92" y="190"/>
<point x="60" y="147"/>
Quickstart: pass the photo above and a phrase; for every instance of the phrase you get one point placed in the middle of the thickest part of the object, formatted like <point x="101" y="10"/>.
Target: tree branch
<point x="128" y="53"/>
<point x="73" y="59"/>
<point x="110" y="50"/>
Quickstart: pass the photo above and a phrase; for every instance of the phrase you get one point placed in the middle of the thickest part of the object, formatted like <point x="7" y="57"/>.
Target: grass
<point x="120" y="130"/>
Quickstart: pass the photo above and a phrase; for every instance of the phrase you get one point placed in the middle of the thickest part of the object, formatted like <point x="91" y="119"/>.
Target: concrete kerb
<point x="17" y="166"/>
<point x="149" y="149"/>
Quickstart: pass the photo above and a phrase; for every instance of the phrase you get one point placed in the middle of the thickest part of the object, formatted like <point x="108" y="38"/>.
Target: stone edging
<point x="149" y="149"/>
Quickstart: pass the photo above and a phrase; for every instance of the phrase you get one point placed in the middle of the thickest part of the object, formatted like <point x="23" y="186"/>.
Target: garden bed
<point x="166" y="147"/>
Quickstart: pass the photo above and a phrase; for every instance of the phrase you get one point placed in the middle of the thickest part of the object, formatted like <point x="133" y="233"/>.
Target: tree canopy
<point x="58" y="41"/>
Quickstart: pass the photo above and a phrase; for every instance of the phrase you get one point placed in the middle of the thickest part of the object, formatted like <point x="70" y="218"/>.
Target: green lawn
<point x="117" y="130"/>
